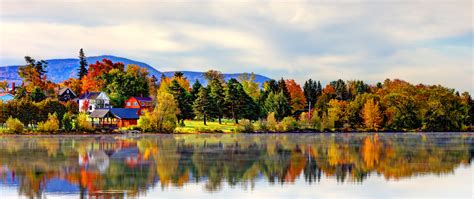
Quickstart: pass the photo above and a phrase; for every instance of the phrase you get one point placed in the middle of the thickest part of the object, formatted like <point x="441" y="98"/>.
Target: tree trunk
<point x="205" y="120"/>
<point x="220" y="120"/>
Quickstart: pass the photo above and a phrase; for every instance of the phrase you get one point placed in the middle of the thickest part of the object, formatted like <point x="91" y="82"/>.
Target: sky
<point x="428" y="42"/>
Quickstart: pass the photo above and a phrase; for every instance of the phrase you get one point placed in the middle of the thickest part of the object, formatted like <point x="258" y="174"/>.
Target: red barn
<point x="142" y="103"/>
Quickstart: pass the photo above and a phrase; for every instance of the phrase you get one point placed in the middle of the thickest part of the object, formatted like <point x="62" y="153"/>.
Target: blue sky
<point x="419" y="41"/>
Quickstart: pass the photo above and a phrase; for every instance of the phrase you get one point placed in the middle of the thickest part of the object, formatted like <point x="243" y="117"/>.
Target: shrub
<point x="315" y="121"/>
<point x="272" y="124"/>
<point x="14" y="125"/>
<point x="262" y="125"/>
<point x="67" y="121"/>
<point x="50" y="125"/>
<point x="245" y="126"/>
<point x="289" y="124"/>
<point x="304" y="121"/>
<point x="144" y="122"/>
<point x="82" y="122"/>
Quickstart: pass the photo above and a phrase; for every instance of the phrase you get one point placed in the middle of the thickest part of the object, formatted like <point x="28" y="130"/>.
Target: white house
<point x="90" y="101"/>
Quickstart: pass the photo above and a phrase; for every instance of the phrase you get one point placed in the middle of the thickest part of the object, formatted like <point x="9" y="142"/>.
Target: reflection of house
<point x="90" y="101"/>
<point x="65" y="94"/>
<point x="95" y="159"/>
<point x="6" y="97"/>
<point x="115" y="117"/>
<point x="142" y="103"/>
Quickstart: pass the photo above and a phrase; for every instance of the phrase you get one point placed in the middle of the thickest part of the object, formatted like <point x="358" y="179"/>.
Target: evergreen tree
<point x="235" y="100"/>
<point x="183" y="99"/>
<point x="216" y="91"/>
<point x="310" y="90"/>
<point x="82" y="65"/>
<point x="40" y="66"/>
<point x="195" y="90"/>
<point x="204" y="105"/>
<point x="282" y="88"/>
<point x="278" y="104"/>
<point x="341" y="89"/>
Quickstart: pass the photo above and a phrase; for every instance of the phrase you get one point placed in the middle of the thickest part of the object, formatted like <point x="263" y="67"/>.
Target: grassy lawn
<point x="196" y="126"/>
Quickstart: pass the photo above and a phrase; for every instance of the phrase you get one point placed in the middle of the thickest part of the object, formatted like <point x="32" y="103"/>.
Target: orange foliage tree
<point x="92" y="81"/>
<point x="298" y="101"/>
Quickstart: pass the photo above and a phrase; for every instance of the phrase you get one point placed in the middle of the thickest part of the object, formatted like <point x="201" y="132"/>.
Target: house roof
<point x="6" y="96"/>
<point x="145" y="99"/>
<point x="90" y="95"/>
<point x="62" y="90"/>
<point x="125" y="113"/>
<point x="101" y="113"/>
<point x="121" y="113"/>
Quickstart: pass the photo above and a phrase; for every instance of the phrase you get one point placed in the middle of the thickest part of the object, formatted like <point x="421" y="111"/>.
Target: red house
<point x="142" y="103"/>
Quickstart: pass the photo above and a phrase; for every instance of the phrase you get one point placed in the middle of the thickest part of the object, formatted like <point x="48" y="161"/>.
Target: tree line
<point x="391" y="105"/>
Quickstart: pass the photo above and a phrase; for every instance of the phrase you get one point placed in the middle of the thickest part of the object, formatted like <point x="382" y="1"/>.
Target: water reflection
<point x="121" y="166"/>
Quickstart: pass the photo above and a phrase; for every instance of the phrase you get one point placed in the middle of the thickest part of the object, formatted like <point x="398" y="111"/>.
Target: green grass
<point x="196" y="126"/>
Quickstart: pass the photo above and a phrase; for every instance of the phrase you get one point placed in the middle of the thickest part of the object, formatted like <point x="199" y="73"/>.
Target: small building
<point x="90" y="101"/>
<point x="5" y="97"/>
<point x="65" y="94"/>
<point x="115" y="117"/>
<point x="142" y="103"/>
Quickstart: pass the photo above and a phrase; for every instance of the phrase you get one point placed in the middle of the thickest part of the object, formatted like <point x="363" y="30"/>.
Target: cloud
<point x="323" y="40"/>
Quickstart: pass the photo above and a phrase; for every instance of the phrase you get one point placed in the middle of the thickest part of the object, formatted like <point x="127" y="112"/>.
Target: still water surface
<point x="415" y="165"/>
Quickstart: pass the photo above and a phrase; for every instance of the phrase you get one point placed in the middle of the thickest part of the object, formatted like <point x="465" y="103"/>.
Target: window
<point x="90" y="108"/>
<point x="135" y="103"/>
<point x="128" y="103"/>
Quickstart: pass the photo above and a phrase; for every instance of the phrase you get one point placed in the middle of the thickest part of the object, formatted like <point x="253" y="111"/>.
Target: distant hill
<point x="62" y="69"/>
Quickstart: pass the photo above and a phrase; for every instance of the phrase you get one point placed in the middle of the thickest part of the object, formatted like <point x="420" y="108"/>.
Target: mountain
<point x="62" y="69"/>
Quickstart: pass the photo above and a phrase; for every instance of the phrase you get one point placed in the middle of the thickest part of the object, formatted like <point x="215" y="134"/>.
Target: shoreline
<point x="224" y="133"/>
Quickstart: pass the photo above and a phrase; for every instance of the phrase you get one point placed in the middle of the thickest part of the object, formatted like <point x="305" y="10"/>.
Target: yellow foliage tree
<point x="163" y="117"/>
<point x="372" y="115"/>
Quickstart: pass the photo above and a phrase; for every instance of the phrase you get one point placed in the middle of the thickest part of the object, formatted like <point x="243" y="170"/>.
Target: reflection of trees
<point x="137" y="164"/>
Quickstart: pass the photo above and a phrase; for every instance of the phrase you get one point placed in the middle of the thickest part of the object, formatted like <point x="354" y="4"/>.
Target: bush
<point x="304" y="121"/>
<point x="82" y="122"/>
<point x="14" y="125"/>
<point x="289" y="124"/>
<point x="67" y="121"/>
<point x="50" y="125"/>
<point x="272" y="124"/>
<point x="208" y="130"/>
<point x="245" y="126"/>
<point x="315" y="121"/>
<point x="262" y="125"/>
<point x="144" y="122"/>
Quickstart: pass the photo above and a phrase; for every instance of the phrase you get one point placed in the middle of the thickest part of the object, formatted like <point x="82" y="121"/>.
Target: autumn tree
<point x="121" y="85"/>
<point x="213" y="74"/>
<point x="337" y="112"/>
<point x="298" y="101"/>
<point x="372" y="115"/>
<point x="250" y="85"/>
<point x="93" y="81"/>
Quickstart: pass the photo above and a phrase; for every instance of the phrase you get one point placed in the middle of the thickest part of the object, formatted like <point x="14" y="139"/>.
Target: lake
<point x="352" y="165"/>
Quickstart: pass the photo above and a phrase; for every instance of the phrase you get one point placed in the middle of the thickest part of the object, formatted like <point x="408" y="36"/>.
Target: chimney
<point x="12" y="91"/>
